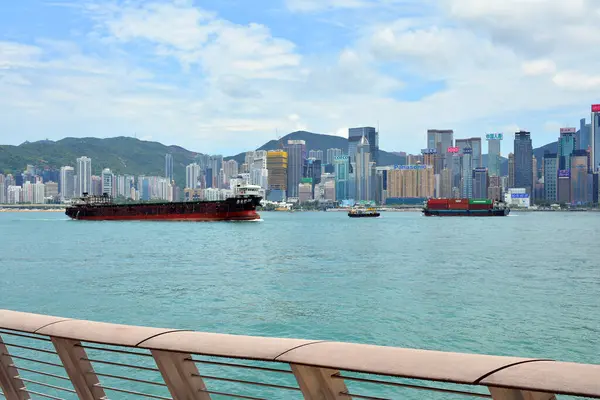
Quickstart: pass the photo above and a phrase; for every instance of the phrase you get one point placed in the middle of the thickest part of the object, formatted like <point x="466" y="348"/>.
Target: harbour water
<point x="523" y="285"/>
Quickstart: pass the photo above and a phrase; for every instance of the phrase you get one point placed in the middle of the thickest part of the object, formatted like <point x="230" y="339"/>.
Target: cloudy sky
<point x="224" y="75"/>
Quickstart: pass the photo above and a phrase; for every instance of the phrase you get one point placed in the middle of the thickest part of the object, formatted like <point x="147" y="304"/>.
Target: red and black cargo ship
<point x="241" y="207"/>
<point x="465" y="208"/>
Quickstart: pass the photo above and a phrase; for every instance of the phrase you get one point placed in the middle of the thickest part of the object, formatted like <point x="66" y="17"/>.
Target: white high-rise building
<point x="230" y="170"/>
<point x="27" y="193"/>
<point x="13" y="194"/>
<point x="192" y="176"/>
<point x="2" y="189"/>
<point x="67" y="183"/>
<point x="84" y="175"/>
<point x="39" y="193"/>
<point x="108" y="182"/>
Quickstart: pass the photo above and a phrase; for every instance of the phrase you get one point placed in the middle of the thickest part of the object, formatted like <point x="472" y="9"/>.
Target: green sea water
<point x="526" y="285"/>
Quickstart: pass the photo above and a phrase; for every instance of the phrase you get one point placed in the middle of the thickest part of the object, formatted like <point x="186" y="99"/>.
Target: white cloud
<point x="538" y="67"/>
<point x="320" y="5"/>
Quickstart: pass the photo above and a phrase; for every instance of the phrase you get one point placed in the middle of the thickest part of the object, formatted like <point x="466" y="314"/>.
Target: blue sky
<point x="224" y="75"/>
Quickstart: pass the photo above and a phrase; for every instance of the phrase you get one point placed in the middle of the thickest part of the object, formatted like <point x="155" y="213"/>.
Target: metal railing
<point x="57" y="358"/>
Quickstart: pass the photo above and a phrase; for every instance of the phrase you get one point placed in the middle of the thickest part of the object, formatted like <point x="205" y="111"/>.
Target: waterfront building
<point x="312" y="169"/>
<point x="439" y="140"/>
<point x="296" y="150"/>
<point x="566" y="146"/>
<point x="523" y="167"/>
<point x="192" y="176"/>
<point x="411" y="181"/>
<point x="316" y="154"/>
<point x="27" y="193"/>
<point x="466" y="149"/>
<point x="169" y="167"/>
<point x="579" y="178"/>
<point x="328" y="188"/>
<point x="495" y="188"/>
<point x="13" y="194"/>
<point x="354" y="138"/>
<point x="332" y="154"/>
<point x="108" y="183"/>
<point x="563" y="186"/>
<point x="342" y="177"/>
<point x="3" y="187"/>
<point x="494" y="142"/>
<point x="67" y="183"/>
<point x="84" y="176"/>
<point x="305" y="190"/>
<point x="277" y="164"/>
<point x="550" y="177"/>
<point x="480" y="183"/>
<point x="364" y="170"/>
<point x="582" y="136"/>
<point x="446" y="183"/>
<point x="517" y="197"/>
<point x="595" y="137"/>
<point x="511" y="171"/>
<point x="51" y="190"/>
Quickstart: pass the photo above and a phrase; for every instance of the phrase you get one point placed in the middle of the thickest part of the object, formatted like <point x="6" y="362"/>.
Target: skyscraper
<point x="67" y="183"/>
<point x="440" y="140"/>
<point x="354" y="137"/>
<point x="277" y="164"/>
<point x="364" y="170"/>
<point x="566" y="146"/>
<point x="84" y="176"/>
<point x="411" y="181"/>
<point x="169" y="167"/>
<point x="595" y="137"/>
<point x="523" y="161"/>
<point x="511" y="170"/>
<point x="494" y="143"/>
<point x="480" y="183"/>
<point x="583" y="135"/>
<point x="342" y="171"/>
<point x="192" y="176"/>
<point x="296" y="150"/>
<point x="2" y="189"/>
<point x="108" y="182"/>
<point x="550" y="177"/>
<point x="579" y="177"/>
<point x="230" y="170"/>
<point x="316" y="154"/>
<point x="470" y="151"/>
<point x="332" y="154"/>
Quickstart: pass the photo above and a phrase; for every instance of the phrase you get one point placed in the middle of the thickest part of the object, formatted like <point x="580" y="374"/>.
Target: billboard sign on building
<point x="467" y="150"/>
<point x="428" y="151"/>
<point x="564" y="173"/>
<point x="340" y="158"/>
<point x="519" y="195"/>
<point x="494" y="136"/>
<point x="595" y="107"/>
<point x="453" y="149"/>
<point x="407" y="167"/>
<point x="567" y="130"/>
<point x="479" y="169"/>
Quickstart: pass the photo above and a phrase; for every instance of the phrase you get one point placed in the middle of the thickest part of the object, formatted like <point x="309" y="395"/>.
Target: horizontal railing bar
<point x="29" y="348"/>
<point x="45" y="384"/>
<point x="135" y="353"/>
<point x="224" y="364"/>
<point x="125" y="378"/>
<point x="41" y="394"/>
<point x="153" y="396"/>
<point x="238" y="396"/>
<point x="360" y="396"/>
<point x="409" y="386"/>
<point x="121" y="365"/>
<point x="216" y="378"/>
<point x="3" y="332"/>
<point x="33" y="371"/>
<point x="34" y="360"/>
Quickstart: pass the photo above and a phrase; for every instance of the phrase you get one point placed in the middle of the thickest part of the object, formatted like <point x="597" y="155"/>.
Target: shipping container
<point x="460" y="205"/>
<point x="480" y="206"/>
<point x="480" y="201"/>
<point x="437" y="201"/>
<point x="458" y="201"/>
<point x="437" y="206"/>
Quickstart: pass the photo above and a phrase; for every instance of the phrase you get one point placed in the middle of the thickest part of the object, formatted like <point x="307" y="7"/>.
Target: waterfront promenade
<point x="54" y="357"/>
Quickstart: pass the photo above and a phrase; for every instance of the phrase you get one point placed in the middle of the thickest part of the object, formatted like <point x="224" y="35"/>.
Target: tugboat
<point x="361" y="212"/>
<point x="240" y="207"/>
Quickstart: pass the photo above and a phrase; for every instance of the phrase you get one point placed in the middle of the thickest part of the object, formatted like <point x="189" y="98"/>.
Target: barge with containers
<point x="240" y="207"/>
<point x="465" y="208"/>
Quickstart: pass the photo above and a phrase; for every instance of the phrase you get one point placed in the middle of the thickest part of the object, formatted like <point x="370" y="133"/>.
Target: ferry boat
<point x="359" y="212"/>
<point x="465" y="208"/>
<point x="240" y="207"/>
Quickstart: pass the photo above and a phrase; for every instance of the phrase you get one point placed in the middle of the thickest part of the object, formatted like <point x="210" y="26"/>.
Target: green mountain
<point x="123" y="155"/>
<point x="317" y="141"/>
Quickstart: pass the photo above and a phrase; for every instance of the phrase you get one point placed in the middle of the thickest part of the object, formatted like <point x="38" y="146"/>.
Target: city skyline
<point x="237" y="72"/>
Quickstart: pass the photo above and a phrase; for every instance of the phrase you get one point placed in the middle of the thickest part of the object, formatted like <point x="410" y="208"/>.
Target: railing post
<point x="12" y="386"/>
<point x="80" y="371"/>
<point x="181" y="375"/>
<point x="515" y="394"/>
<point x="318" y="383"/>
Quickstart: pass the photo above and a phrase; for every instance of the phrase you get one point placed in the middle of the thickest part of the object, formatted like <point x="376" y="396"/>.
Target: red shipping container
<point x="458" y="206"/>
<point x="437" y="201"/>
<point x="437" y="206"/>
<point x="458" y="201"/>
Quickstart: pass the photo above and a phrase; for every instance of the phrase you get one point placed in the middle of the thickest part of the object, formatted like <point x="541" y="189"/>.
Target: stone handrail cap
<point x="26" y="322"/>
<point x="101" y="332"/>
<point x="225" y="345"/>
<point x="410" y="363"/>
<point x="550" y="377"/>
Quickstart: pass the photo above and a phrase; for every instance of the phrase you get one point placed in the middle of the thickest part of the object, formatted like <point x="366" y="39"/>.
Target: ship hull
<point x="467" y="213"/>
<point x="364" y="215"/>
<point x="234" y="209"/>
